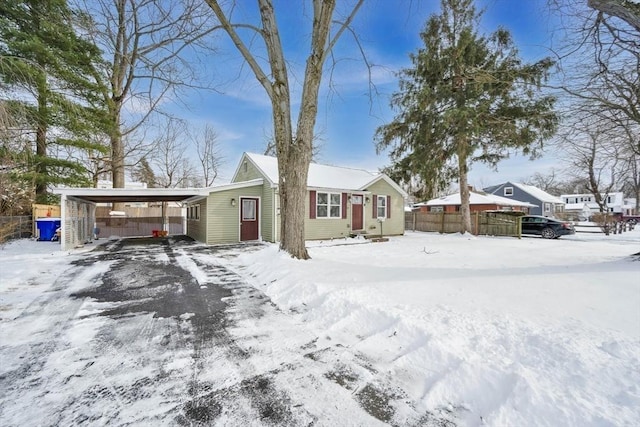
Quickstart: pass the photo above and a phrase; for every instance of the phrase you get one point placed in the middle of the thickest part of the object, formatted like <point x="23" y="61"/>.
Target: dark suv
<point x="546" y="227"/>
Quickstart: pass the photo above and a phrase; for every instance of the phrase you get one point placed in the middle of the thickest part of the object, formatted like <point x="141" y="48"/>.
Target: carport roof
<point x="115" y="195"/>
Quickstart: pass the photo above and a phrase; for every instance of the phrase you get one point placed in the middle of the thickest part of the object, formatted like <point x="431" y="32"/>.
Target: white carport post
<point x="63" y="222"/>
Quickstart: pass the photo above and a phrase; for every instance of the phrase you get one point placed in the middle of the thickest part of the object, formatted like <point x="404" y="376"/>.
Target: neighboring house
<point x="478" y="202"/>
<point x="584" y="205"/>
<point x="340" y="202"/>
<point x="545" y="203"/>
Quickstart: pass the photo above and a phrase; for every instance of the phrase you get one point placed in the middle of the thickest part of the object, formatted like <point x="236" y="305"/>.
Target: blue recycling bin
<point x="47" y="228"/>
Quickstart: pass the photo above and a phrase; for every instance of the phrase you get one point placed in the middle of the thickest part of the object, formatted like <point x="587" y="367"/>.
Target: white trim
<point x="329" y="205"/>
<point x="132" y="192"/>
<point x="276" y="213"/>
<point x="386" y="211"/>
<point x="63" y="227"/>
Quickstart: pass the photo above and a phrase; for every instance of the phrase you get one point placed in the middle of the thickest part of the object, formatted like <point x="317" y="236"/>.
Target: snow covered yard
<point x="481" y="330"/>
<point x="423" y="330"/>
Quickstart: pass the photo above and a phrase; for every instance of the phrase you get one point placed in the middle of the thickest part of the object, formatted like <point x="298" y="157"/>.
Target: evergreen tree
<point x="143" y="172"/>
<point x="45" y="65"/>
<point x="468" y="98"/>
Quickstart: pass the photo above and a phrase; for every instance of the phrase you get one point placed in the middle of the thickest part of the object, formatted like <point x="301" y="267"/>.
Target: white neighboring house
<point x="585" y="204"/>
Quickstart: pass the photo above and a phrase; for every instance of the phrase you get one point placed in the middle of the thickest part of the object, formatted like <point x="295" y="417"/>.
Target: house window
<point x="436" y="209"/>
<point x="193" y="212"/>
<point x="248" y="210"/>
<point x="328" y="205"/>
<point x="508" y="191"/>
<point x="382" y="207"/>
<point x="547" y="207"/>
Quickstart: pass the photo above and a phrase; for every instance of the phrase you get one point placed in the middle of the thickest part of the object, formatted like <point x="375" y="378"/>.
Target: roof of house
<point x="475" y="199"/>
<point x="539" y="194"/>
<point x="323" y="176"/>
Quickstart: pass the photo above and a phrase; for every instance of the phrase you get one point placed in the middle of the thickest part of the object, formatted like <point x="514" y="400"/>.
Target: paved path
<point x="162" y="332"/>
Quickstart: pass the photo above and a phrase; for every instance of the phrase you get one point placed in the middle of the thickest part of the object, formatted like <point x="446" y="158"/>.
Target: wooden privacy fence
<point x="136" y="227"/>
<point x="141" y="212"/>
<point x="15" y="227"/>
<point x="482" y="223"/>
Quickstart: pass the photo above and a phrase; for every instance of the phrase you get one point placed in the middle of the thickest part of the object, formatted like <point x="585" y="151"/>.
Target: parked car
<point x="546" y="227"/>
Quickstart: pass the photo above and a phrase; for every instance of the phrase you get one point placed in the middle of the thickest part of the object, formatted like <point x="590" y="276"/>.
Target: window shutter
<point x="344" y="206"/>
<point x="312" y="204"/>
<point x="374" y="214"/>
<point x="388" y="206"/>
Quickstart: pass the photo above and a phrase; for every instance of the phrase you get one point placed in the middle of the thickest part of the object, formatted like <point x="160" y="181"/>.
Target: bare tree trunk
<point x="117" y="154"/>
<point x="465" y="195"/>
<point x="299" y="153"/>
<point x="41" y="143"/>
<point x="294" y="156"/>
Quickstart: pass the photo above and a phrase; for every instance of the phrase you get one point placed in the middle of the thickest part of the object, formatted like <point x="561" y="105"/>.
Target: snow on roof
<point x="324" y="176"/>
<point x="474" y="199"/>
<point x="539" y="194"/>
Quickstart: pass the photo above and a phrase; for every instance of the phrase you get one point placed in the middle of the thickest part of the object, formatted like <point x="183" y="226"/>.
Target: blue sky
<point x="348" y="113"/>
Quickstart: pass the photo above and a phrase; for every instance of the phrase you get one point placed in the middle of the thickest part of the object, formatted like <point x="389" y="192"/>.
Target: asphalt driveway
<point x="162" y="332"/>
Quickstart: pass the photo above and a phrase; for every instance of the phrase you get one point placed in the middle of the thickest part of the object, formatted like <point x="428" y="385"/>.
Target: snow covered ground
<point x="473" y="330"/>
<point x="497" y="331"/>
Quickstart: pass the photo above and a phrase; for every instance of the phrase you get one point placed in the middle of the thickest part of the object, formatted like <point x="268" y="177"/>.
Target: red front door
<point x="248" y="219"/>
<point x="356" y="212"/>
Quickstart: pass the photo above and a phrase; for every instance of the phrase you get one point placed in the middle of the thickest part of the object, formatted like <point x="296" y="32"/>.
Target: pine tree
<point x="468" y="98"/>
<point x="143" y="172"/>
<point x="46" y="65"/>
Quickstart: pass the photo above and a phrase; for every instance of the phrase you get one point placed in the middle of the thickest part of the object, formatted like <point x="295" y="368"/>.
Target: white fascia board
<point x="232" y="186"/>
<point x="76" y="191"/>
<point x="337" y="190"/>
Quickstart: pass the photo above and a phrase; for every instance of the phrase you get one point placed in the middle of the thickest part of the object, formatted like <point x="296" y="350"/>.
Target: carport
<point x="78" y="207"/>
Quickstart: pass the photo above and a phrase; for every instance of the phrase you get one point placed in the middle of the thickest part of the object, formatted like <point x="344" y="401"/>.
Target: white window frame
<point x="328" y="205"/>
<point x="383" y="198"/>
<point x="436" y="209"/>
<point x="508" y="191"/>
<point x="193" y="213"/>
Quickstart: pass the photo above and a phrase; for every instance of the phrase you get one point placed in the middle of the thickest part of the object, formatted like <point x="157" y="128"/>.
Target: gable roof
<point x="532" y="190"/>
<point x="321" y="176"/>
<point x="539" y="194"/>
<point x="474" y="199"/>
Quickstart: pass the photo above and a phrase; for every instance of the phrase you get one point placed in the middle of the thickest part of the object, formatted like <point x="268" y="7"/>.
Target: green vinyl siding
<point x="197" y="229"/>
<point x="393" y="225"/>
<point x="249" y="172"/>
<point x="223" y="219"/>
<point x="267" y="212"/>
<point x="326" y="228"/>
